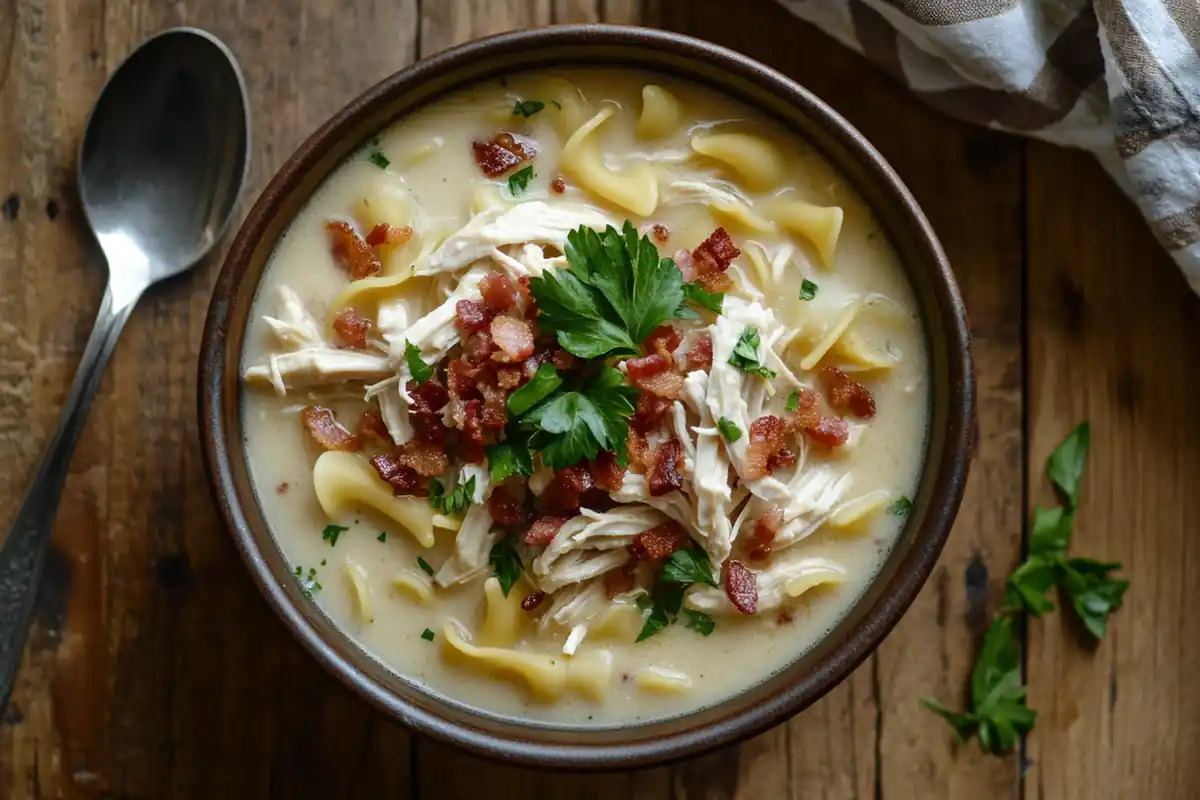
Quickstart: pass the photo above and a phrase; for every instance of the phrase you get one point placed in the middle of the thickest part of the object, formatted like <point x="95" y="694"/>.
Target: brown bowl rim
<point x="933" y="521"/>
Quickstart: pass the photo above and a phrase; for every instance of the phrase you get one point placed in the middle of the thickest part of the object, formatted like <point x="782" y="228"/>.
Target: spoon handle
<point x="23" y="550"/>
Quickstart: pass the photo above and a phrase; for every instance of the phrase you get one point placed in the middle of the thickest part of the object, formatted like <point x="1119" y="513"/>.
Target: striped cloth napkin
<point x="1120" y="78"/>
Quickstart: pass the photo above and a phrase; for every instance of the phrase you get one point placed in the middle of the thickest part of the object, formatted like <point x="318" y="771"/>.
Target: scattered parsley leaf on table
<point x="1093" y="593"/>
<point x="1065" y="465"/>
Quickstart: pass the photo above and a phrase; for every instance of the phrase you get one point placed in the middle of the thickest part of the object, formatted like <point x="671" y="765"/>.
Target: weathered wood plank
<point x="1112" y="335"/>
<point x="870" y="736"/>
<point x="155" y="669"/>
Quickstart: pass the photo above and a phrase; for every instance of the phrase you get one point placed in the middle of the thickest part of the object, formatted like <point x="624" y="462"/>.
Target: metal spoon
<point x="163" y="160"/>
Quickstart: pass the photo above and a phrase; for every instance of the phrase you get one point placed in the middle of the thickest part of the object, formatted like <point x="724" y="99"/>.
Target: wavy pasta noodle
<point x="634" y="189"/>
<point x="343" y="481"/>
<point x="752" y="158"/>
<point x="660" y="113"/>
<point x="413" y="587"/>
<point x="831" y="336"/>
<point x="503" y="618"/>
<point x="820" y="225"/>
<point x="853" y="513"/>
<point x="663" y="680"/>
<point x="360" y="591"/>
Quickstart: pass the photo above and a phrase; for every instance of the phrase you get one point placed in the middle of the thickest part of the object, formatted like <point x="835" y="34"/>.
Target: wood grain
<point x="155" y="669"/>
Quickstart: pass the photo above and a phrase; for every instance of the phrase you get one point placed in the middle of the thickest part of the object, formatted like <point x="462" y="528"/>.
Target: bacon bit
<point x="700" y="354"/>
<point x="473" y="421"/>
<point x="393" y="235"/>
<point x="351" y="328"/>
<point x="460" y="377"/>
<point x="470" y="316"/>
<point x="663" y="340"/>
<point x="558" y="497"/>
<point x="479" y="347"/>
<point x="504" y="508"/>
<point x="558" y="185"/>
<point x="741" y="586"/>
<point x="659" y="542"/>
<point x="428" y="398"/>
<point x="513" y="338"/>
<point x="495" y="405"/>
<point x="785" y="617"/>
<point x="808" y="410"/>
<point x="429" y="428"/>
<point x="846" y="394"/>
<point x="577" y="478"/>
<point x="660" y="233"/>
<point x="501" y="154"/>
<point x="687" y="265"/>
<point x="326" y="431"/>
<point x="768" y="435"/>
<point x="640" y="457"/>
<point x="371" y="424"/>
<point x="715" y="253"/>
<point x="427" y="459"/>
<point x="532" y="601"/>
<point x="350" y="252"/>
<point x="621" y="580"/>
<point x="562" y="360"/>
<point x="282" y="488"/>
<point x="543" y="530"/>
<point x="716" y="282"/>
<point x="523" y="288"/>
<point x="665" y="476"/>
<point x="829" y="431"/>
<point x="766" y="528"/>
<point x="471" y="453"/>
<point x="785" y="457"/>
<point x="653" y="374"/>
<point x="649" y="413"/>
<point x="402" y="479"/>
<point x="607" y="473"/>
<point x="499" y="293"/>
<point x="508" y="378"/>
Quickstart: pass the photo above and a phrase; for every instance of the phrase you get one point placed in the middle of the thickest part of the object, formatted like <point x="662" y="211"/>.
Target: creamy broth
<point x="440" y="188"/>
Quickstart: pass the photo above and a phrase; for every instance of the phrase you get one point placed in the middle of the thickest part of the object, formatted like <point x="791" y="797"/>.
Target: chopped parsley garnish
<point x="543" y="384"/>
<point x="421" y="371"/>
<point x="901" y="507"/>
<point x="571" y="426"/>
<point x="518" y="182"/>
<point x="452" y="503"/>
<point x="808" y="289"/>
<point x="745" y="354"/>
<point x="308" y="583"/>
<point x="424" y="565"/>
<point x="558" y="105"/>
<point x="698" y="621"/>
<point x="379" y="159"/>
<point x="508" y="458"/>
<point x="382" y="537"/>
<point x="998" y="715"/>
<point x="687" y="567"/>
<point x="793" y="402"/>
<point x="695" y="293"/>
<point x="427" y="635"/>
<point x="506" y="563"/>
<point x="729" y="429"/>
<point x="679" y="571"/>
<point x="331" y="533"/>
<point x="614" y="292"/>
<point x="527" y="108"/>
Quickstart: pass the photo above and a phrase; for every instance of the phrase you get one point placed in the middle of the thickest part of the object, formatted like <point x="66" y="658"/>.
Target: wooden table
<point x="155" y="670"/>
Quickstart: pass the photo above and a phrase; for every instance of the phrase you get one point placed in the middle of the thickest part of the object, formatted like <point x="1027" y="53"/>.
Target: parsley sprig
<point x="680" y="570"/>
<point x="998" y="714"/>
<point x="576" y="424"/>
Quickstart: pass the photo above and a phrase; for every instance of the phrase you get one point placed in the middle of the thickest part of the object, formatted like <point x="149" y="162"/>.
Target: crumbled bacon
<point x="429" y="428"/>
<point x="649" y="413"/>
<point x="326" y="431"/>
<point x="394" y="235"/>
<point x="768" y="435"/>
<point x="504" y="508"/>
<point x="351" y="328"/>
<point x="654" y="374"/>
<point x="784" y="457"/>
<point x="659" y="542"/>
<point x="560" y="498"/>
<point x="829" y="431"/>
<point x="660" y="233"/>
<point x="513" y="338"/>
<point x="371" y="424"/>
<point x="607" y="473"/>
<point x="495" y="405"/>
<point x="715" y="253"/>
<point x="700" y="354"/>
<point x="808" y="410"/>
<point x="427" y="459"/>
<point x="558" y="185"/>
<point x="501" y="154"/>
<point x="766" y="528"/>
<point x="460" y="377"/>
<point x="532" y="601"/>
<point x="428" y="397"/>
<point x="640" y="457"/>
<point x="471" y="316"/>
<point x="402" y="479"/>
<point x="741" y="586"/>
<point x="621" y="580"/>
<point x="351" y="252"/>
<point x="282" y="488"/>
<point x="687" y="265"/>
<point x="472" y="426"/>
<point x="499" y="293"/>
<point x="846" y="394"/>
<point x="543" y="530"/>
<point x="716" y="282"/>
<point x="663" y="340"/>
<point x="562" y="360"/>
<point x="665" y="475"/>
<point x="479" y="347"/>
<point x="577" y="478"/>
<point x="508" y="377"/>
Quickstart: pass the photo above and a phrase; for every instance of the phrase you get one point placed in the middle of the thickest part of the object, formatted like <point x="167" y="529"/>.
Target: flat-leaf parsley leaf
<point x="745" y="354"/>
<point x="506" y="563"/>
<point x="518" y="182"/>
<point x="527" y="108"/>
<point x="379" y="159"/>
<point x="577" y="425"/>
<point x="419" y="370"/>
<point x="729" y="429"/>
<point x="331" y="534"/>
<point x="808" y="289"/>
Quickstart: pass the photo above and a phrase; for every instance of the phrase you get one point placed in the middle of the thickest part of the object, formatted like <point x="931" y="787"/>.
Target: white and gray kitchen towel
<point x="1120" y="78"/>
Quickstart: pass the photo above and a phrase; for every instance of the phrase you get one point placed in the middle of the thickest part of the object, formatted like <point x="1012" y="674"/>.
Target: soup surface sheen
<point x="814" y="278"/>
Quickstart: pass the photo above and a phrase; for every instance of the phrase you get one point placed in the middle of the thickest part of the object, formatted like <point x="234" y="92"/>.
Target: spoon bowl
<point x="163" y="159"/>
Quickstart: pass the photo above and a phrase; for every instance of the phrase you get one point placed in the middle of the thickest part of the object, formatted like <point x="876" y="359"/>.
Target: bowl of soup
<point x="587" y="396"/>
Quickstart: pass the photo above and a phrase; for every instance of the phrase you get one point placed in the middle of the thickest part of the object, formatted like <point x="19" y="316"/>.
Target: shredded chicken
<point x="295" y="328"/>
<point x="591" y="544"/>
<point x="472" y="546"/>
<point x="771" y="583"/>
<point x="315" y="366"/>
